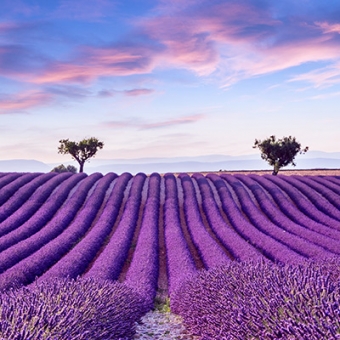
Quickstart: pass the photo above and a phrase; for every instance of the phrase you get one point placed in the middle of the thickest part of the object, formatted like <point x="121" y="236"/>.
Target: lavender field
<point x="155" y="234"/>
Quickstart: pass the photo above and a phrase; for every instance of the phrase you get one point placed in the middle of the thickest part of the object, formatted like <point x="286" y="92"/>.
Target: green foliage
<point x="163" y="306"/>
<point x="279" y="152"/>
<point x="62" y="168"/>
<point x="80" y="151"/>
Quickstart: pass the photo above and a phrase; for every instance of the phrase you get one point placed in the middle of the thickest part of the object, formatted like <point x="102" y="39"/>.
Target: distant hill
<point x="23" y="165"/>
<point x="311" y="160"/>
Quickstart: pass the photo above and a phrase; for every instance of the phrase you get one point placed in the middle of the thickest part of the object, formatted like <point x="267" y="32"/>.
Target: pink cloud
<point x="238" y="39"/>
<point x="22" y="101"/>
<point x="96" y="62"/>
<point x="138" y="92"/>
<point x="328" y="28"/>
<point x="174" y="122"/>
<point x="135" y="123"/>
<point x="326" y="76"/>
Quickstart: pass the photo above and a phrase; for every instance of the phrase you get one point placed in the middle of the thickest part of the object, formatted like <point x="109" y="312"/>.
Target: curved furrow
<point x="144" y="269"/>
<point x="75" y="262"/>
<point x="324" y="188"/>
<point x="281" y="220"/>
<point x="291" y="210"/>
<point x="52" y="229"/>
<point x="333" y="179"/>
<point x="20" y="190"/>
<point x="180" y="263"/>
<point x="16" y="182"/>
<point x="6" y="179"/>
<point x="302" y="202"/>
<point x="40" y="217"/>
<point x="203" y="217"/>
<point x="261" y="222"/>
<point x="327" y="184"/>
<point x="35" y="202"/>
<point x="317" y="198"/>
<point x="211" y="253"/>
<point x="185" y="229"/>
<point x="232" y="241"/>
<point x="136" y="233"/>
<point x="162" y="282"/>
<point x="37" y="263"/>
<point x="271" y="248"/>
<point x="109" y="263"/>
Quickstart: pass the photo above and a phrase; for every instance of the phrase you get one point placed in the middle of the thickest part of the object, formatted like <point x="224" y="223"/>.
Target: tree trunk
<point x="81" y="166"/>
<point x="276" y="169"/>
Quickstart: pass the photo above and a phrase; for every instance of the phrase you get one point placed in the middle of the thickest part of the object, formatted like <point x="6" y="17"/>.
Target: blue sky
<point x="167" y="78"/>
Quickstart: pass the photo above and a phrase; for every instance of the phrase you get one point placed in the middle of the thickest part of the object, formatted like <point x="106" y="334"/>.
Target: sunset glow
<point x="167" y="78"/>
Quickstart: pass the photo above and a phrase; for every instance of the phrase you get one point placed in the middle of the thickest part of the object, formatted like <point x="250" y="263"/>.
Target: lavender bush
<point x="271" y="248"/>
<point x="321" y="202"/>
<point x="260" y="221"/>
<point x="70" y="309"/>
<point x="302" y="203"/>
<point x="180" y="264"/>
<point x="236" y="245"/>
<point x="143" y="271"/>
<point x="292" y="212"/>
<point x="211" y="253"/>
<point x="75" y="262"/>
<point x="272" y="212"/>
<point x="110" y="261"/>
<point x="263" y="301"/>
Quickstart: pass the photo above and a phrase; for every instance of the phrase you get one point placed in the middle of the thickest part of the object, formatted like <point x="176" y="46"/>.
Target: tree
<point x="62" y="168"/>
<point x="279" y="152"/>
<point x="80" y="151"/>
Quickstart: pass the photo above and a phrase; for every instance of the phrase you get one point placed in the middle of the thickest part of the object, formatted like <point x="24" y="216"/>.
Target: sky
<point x="167" y="78"/>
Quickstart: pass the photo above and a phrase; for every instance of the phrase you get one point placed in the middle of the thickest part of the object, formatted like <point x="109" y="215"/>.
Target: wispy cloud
<point x="23" y="101"/>
<point x="327" y="27"/>
<point x="227" y="40"/>
<point x="94" y="63"/>
<point x="138" y="92"/>
<point x="142" y="125"/>
<point x="322" y="77"/>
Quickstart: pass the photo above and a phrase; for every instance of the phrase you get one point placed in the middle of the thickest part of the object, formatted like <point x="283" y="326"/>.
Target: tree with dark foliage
<point x="279" y="152"/>
<point x="80" y="151"/>
<point x="62" y="168"/>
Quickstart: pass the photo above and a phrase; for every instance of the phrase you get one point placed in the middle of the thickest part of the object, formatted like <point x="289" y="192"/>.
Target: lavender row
<point x="40" y="218"/>
<point x="143" y="271"/>
<point x="180" y="264"/>
<point x="76" y="261"/>
<point x="321" y="202"/>
<point x="52" y="229"/>
<point x="270" y="247"/>
<point x="302" y="203"/>
<point x="6" y="179"/>
<point x="36" y="264"/>
<point x="258" y="219"/>
<point x="262" y="301"/>
<point x="327" y="183"/>
<point x="21" y="192"/>
<point x="277" y="217"/>
<point x="13" y="186"/>
<point x="211" y="253"/>
<point x="109" y="263"/>
<point x="232" y="241"/>
<point x="32" y="205"/>
<point x="292" y="212"/>
<point x="71" y="309"/>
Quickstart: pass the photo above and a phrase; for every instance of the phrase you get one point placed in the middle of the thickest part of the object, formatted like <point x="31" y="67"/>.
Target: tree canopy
<point x="80" y="151"/>
<point x="62" y="168"/>
<point x="279" y="152"/>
